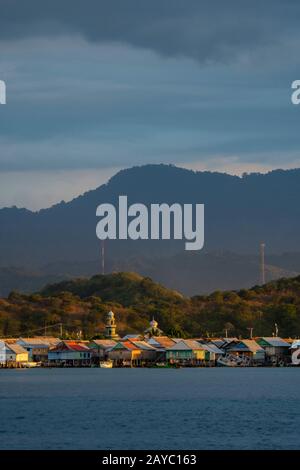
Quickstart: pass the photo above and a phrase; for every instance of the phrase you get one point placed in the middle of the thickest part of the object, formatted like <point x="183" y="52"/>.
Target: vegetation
<point x="80" y="306"/>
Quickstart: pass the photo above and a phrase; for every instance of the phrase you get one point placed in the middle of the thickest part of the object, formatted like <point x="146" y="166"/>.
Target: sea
<point x="182" y="409"/>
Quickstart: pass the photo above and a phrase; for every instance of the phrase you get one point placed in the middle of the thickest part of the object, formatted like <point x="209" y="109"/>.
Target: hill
<point x="25" y="280"/>
<point x="201" y="272"/>
<point x="188" y="273"/>
<point x="80" y="305"/>
<point x="124" y="288"/>
<point x="240" y="212"/>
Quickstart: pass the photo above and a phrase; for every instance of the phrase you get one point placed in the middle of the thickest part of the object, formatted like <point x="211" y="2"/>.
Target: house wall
<point x="7" y="355"/>
<point x="199" y="355"/>
<point x="259" y="356"/>
<point x="210" y="356"/>
<point x="36" y="354"/>
<point x="186" y="355"/>
<point x="148" y="355"/>
<point x="124" y="355"/>
<point x="22" y="357"/>
<point x="68" y="356"/>
<point x="10" y="356"/>
<point x="275" y="351"/>
<point x="179" y="354"/>
<point x="99" y="352"/>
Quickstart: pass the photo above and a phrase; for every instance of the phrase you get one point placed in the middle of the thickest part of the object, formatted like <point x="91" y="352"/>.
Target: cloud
<point x="115" y="106"/>
<point x="206" y="30"/>
<point x="110" y="84"/>
<point x="40" y="189"/>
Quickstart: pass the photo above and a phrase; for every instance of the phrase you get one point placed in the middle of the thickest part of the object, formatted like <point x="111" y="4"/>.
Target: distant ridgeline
<point x="240" y="213"/>
<point x="82" y="304"/>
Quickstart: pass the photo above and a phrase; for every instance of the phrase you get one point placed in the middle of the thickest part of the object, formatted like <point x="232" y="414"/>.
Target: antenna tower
<point x="103" y="257"/>
<point x="262" y="264"/>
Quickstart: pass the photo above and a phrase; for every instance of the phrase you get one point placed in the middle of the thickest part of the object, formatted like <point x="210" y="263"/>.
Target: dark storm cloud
<point x="214" y="30"/>
<point x="102" y="85"/>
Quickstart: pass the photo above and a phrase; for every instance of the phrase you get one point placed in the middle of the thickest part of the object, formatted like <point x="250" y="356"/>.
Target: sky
<point x="95" y="86"/>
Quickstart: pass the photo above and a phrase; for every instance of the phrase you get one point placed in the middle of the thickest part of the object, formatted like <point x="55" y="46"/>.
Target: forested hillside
<point x="80" y="305"/>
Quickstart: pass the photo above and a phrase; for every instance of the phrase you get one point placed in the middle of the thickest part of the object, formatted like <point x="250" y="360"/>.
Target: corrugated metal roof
<point x="70" y="346"/>
<point x="186" y="345"/>
<point x="252" y="345"/>
<point x="9" y="340"/>
<point x="143" y="345"/>
<point x="76" y="346"/>
<point x="125" y="345"/>
<point x="106" y="343"/>
<point x="275" y="341"/>
<point x="161" y="341"/>
<point x="34" y="343"/>
<point x="16" y="348"/>
<point x="229" y="340"/>
<point x="246" y="345"/>
<point x="181" y="346"/>
<point x="218" y="342"/>
<point x="40" y="341"/>
<point x="191" y="343"/>
<point x="49" y="339"/>
<point x="130" y="345"/>
<point x="211" y="348"/>
<point x="132" y="336"/>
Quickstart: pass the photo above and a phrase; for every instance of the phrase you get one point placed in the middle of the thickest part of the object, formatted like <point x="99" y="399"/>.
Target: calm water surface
<point x="150" y="409"/>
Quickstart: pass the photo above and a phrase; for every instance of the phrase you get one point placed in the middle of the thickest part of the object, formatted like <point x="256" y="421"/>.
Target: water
<point x="218" y="408"/>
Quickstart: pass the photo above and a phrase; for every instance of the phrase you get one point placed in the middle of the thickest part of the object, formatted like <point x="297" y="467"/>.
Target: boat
<point x="30" y="365"/>
<point x="230" y="360"/>
<point x="227" y="361"/>
<point x="106" y="364"/>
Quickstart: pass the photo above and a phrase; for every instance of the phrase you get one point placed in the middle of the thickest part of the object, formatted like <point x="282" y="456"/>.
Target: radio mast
<point x="102" y="256"/>
<point x="262" y="264"/>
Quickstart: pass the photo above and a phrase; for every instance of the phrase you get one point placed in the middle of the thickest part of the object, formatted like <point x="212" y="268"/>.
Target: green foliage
<point x="81" y="305"/>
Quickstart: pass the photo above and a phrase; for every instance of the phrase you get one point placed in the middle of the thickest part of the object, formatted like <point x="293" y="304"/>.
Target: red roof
<point x="70" y="345"/>
<point x="78" y="347"/>
<point x="129" y="345"/>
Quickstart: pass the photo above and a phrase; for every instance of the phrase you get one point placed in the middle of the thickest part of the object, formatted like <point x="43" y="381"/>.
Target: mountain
<point x="81" y="305"/>
<point x="202" y="273"/>
<point x="124" y="288"/>
<point x="188" y="273"/>
<point x="23" y="280"/>
<point x="240" y="212"/>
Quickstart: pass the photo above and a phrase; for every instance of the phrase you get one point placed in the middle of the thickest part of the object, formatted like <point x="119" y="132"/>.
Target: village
<point x="150" y="349"/>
